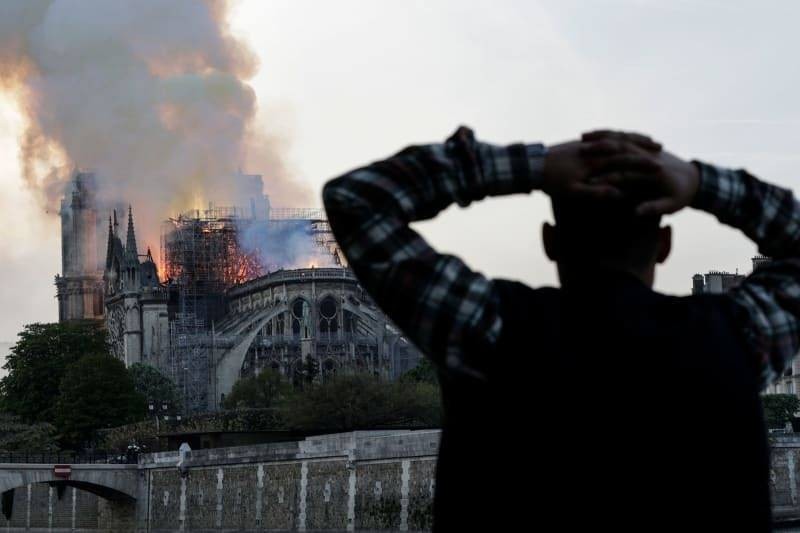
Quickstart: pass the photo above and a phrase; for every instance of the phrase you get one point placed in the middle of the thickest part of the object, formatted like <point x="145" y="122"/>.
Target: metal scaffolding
<point x="204" y="256"/>
<point x="296" y="213"/>
<point x="323" y="238"/>
<point x="189" y="361"/>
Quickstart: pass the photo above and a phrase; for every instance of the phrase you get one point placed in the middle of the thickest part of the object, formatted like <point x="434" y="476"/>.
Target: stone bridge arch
<point x="110" y="481"/>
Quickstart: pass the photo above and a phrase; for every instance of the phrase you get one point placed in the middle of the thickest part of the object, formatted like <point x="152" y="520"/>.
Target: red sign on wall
<point x="62" y="471"/>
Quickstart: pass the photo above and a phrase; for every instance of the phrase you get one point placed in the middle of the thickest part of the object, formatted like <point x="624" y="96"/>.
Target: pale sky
<point x="347" y="82"/>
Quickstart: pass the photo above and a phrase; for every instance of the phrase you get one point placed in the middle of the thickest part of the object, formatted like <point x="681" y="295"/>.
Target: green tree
<point x="96" y="392"/>
<point x="424" y="372"/>
<point x="265" y="390"/>
<point x="154" y="386"/>
<point x="306" y="373"/>
<point x="38" y="362"/>
<point x="779" y="409"/>
<point x="16" y="435"/>
<point x="420" y="403"/>
<point x="361" y="401"/>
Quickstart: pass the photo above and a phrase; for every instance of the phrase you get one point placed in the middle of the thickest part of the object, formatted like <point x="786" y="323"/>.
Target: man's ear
<point x="664" y="243"/>
<point x="550" y="241"/>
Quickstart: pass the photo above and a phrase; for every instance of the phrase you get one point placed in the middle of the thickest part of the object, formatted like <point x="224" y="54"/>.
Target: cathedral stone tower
<point x="136" y="303"/>
<point x="79" y="288"/>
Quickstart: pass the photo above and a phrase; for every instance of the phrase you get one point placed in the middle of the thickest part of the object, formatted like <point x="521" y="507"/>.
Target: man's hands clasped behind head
<point x="610" y="165"/>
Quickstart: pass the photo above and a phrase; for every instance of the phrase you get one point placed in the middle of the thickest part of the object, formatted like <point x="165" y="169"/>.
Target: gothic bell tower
<point x="79" y="288"/>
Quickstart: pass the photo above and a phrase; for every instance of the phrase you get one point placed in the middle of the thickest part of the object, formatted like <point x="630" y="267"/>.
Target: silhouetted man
<point x="602" y="404"/>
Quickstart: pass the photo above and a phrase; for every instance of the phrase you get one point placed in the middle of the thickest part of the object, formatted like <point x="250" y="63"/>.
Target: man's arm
<point x="448" y="310"/>
<point x="770" y="296"/>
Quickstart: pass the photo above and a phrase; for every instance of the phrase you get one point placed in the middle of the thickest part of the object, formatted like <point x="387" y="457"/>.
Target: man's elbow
<point x="329" y="201"/>
<point x="328" y="192"/>
<point x="331" y="194"/>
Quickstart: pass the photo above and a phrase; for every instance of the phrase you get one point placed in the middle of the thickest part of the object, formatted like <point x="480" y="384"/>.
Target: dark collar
<point x="603" y="280"/>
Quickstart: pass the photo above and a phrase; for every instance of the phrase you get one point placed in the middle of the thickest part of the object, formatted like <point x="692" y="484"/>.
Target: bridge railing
<point x="73" y="458"/>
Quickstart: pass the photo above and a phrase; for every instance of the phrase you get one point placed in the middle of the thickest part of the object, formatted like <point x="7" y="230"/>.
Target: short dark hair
<point x="589" y="230"/>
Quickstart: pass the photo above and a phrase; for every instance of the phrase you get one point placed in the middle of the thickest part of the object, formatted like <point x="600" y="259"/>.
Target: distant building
<point x="79" y="287"/>
<point x="136" y="303"/>
<point x="759" y="261"/>
<point x="715" y="282"/>
<point x="720" y="282"/>
<point x="290" y="319"/>
<point x="789" y="382"/>
<point x="240" y="289"/>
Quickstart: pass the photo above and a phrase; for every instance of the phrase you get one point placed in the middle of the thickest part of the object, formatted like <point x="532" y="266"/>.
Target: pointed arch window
<point x="301" y="312"/>
<point x="329" y="315"/>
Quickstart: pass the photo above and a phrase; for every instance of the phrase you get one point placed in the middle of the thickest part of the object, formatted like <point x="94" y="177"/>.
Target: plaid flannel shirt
<point x="451" y="312"/>
<point x="770" y="296"/>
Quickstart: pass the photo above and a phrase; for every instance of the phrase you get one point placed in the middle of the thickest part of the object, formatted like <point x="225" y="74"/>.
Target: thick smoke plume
<point x="149" y="94"/>
<point x="285" y="244"/>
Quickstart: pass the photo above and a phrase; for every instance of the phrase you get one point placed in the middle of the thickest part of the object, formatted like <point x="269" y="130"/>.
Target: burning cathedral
<point x="234" y="290"/>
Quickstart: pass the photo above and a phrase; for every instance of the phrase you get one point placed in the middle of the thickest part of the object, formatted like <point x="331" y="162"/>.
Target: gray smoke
<point x="284" y="244"/>
<point x="149" y="94"/>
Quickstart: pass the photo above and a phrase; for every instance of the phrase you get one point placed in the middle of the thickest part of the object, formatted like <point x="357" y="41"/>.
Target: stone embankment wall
<point x="362" y="481"/>
<point x="784" y="476"/>
<point x="344" y="482"/>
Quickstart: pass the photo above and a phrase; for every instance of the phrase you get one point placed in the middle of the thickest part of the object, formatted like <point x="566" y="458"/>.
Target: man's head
<point x="590" y="234"/>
